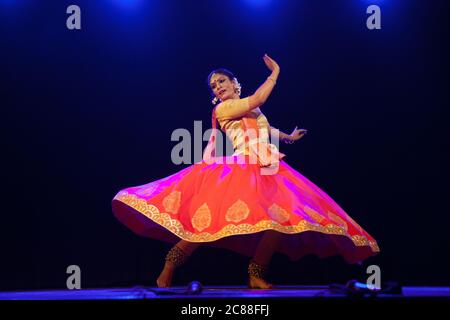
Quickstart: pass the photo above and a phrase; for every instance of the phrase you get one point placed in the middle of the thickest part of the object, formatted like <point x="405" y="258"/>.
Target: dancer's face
<point x="222" y="87"/>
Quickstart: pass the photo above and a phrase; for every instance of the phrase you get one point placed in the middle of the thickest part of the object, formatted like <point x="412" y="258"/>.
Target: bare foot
<point x="258" y="283"/>
<point x="165" y="278"/>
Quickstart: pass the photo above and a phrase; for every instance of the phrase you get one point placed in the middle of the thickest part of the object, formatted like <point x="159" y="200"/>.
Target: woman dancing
<point x="251" y="202"/>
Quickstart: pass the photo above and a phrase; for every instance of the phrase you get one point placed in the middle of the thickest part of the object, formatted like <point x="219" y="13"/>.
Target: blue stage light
<point x="259" y="3"/>
<point x="127" y="3"/>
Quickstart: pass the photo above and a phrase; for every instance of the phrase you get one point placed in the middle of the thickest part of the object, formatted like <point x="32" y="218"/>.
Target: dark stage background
<point x="86" y="113"/>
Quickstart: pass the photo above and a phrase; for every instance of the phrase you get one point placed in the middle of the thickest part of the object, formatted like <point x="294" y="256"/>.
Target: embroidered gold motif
<point x="202" y="218"/>
<point x="171" y="202"/>
<point x="338" y="220"/>
<point x="359" y="240"/>
<point x="313" y="214"/>
<point x="237" y="212"/>
<point x="177" y="228"/>
<point x="278" y="214"/>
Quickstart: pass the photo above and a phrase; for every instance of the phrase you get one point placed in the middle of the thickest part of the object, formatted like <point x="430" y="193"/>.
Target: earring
<point x="215" y="100"/>
<point x="238" y="86"/>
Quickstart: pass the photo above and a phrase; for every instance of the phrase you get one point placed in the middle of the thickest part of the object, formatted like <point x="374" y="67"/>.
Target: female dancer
<point x="252" y="202"/>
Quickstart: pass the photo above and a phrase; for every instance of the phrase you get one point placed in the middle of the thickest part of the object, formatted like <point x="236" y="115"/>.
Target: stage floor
<point x="281" y="292"/>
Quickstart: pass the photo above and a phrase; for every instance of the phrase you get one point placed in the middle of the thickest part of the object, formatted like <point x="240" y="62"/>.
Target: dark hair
<point x="223" y="71"/>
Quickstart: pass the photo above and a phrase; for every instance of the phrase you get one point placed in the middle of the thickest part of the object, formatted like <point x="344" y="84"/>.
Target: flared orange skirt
<point x="230" y="205"/>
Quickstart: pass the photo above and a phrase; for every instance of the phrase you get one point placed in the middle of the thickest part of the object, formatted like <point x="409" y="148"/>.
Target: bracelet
<point x="270" y="78"/>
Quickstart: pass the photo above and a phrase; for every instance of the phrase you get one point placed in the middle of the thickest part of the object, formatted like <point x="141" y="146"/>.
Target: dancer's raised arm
<point x="263" y="92"/>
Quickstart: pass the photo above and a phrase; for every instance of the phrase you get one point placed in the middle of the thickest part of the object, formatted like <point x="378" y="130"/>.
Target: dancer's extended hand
<point x="271" y="64"/>
<point x="297" y="134"/>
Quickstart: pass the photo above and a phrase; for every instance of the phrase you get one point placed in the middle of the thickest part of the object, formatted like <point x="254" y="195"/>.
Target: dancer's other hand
<point x="297" y="134"/>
